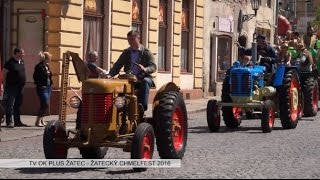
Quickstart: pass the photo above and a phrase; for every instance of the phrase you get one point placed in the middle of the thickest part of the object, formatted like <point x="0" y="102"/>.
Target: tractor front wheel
<point x="54" y="140"/>
<point x="268" y="116"/>
<point x="143" y="144"/>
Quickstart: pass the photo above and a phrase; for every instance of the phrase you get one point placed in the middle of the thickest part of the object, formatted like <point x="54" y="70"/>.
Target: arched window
<point x="93" y="28"/>
<point x="185" y="28"/>
<point x="137" y="16"/>
<point x="162" y="41"/>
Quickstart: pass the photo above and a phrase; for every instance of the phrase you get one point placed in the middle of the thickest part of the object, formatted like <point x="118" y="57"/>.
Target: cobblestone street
<point x="242" y="153"/>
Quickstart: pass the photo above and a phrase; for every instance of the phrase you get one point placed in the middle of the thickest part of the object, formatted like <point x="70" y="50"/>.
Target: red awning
<point x="283" y="25"/>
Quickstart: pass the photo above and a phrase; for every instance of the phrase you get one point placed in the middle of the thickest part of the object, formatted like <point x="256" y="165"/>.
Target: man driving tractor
<point x="268" y="53"/>
<point x="139" y="61"/>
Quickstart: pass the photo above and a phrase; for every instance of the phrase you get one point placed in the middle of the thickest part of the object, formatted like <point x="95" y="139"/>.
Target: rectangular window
<point x="269" y="3"/>
<point x="310" y="8"/>
<point x="224" y="54"/>
<point x="93" y="29"/>
<point x="185" y="36"/>
<point x="184" y="51"/>
<point x="162" y="42"/>
<point x="137" y="17"/>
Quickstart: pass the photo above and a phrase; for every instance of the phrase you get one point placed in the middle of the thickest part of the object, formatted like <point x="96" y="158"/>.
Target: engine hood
<point x="101" y="86"/>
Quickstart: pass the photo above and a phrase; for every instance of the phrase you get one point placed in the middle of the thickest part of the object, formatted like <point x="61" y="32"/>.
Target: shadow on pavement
<point x="306" y="119"/>
<point x="223" y="129"/>
<point x="128" y="171"/>
<point x="52" y="170"/>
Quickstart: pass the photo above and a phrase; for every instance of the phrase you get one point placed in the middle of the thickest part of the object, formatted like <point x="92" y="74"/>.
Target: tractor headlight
<point x="119" y="102"/>
<point x="75" y="102"/>
<point x="268" y="91"/>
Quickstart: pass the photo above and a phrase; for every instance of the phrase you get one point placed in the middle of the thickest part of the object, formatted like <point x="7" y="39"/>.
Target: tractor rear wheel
<point x="171" y="125"/>
<point x="213" y="116"/>
<point x="231" y="115"/>
<point x="311" y="96"/>
<point x="289" y="104"/>
<point x="142" y="144"/>
<point x="54" y="140"/>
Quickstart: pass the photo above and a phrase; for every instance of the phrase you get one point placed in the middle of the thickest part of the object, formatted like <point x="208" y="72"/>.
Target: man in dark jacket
<point x="266" y="51"/>
<point x="139" y="61"/>
<point x="14" y="80"/>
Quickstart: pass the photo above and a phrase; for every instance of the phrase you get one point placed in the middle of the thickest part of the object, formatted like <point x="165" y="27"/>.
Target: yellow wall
<point x="64" y="31"/>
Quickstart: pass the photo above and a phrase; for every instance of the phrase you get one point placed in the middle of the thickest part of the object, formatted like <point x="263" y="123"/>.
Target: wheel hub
<point x="295" y="99"/>
<point x="176" y="125"/>
<point x="177" y="128"/>
<point x="146" y="147"/>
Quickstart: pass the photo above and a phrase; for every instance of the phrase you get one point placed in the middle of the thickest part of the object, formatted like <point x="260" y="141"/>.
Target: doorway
<point x="31" y="38"/>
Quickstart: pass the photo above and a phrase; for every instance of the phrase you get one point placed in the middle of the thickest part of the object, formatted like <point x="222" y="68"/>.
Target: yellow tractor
<point x="109" y="115"/>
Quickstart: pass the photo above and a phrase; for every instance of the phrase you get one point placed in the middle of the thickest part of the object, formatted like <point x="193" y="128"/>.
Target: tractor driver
<point x="268" y="53"/>
<point x="139" y="61"/>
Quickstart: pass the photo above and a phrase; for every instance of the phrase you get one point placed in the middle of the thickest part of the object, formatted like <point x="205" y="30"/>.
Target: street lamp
<point x="254" y="52"/>
<point x="255" y="6"/>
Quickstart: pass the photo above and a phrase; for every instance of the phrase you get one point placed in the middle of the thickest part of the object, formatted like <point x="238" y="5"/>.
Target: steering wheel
<point x="128" y="75"/>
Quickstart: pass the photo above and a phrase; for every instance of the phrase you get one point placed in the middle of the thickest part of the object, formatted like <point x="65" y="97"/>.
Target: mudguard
<point x="165" y="88"/>
<point x="279" y="74"/>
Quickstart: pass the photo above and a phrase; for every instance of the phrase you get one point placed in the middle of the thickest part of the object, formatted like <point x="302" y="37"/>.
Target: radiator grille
<point x="101" y="108"/>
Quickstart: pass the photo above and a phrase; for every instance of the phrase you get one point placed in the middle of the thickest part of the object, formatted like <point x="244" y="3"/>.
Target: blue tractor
<point x="253" y="88"/>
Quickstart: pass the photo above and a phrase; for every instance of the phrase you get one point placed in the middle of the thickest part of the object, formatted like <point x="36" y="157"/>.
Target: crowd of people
<point x="292" y="49"/>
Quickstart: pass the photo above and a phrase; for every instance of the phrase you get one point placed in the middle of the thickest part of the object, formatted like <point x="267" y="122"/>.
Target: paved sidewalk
<point x="7" y="134"/>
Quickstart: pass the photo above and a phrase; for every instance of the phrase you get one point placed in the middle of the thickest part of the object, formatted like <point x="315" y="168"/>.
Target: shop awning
<point x="283" y="25"/>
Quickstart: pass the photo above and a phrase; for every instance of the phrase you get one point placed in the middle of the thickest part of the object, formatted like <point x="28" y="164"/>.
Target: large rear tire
<point x="55" y="132"/>
<point x="311" y="95"/>
<point x="289" y="104"/>
<point x="171" y="125"/>
<point x="231" y="115"/>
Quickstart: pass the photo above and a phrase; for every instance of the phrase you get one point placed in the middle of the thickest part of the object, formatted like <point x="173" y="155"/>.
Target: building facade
<point x="224" y="27"/>
<point x="171" y="29"/>
<point x="300" y="13"/>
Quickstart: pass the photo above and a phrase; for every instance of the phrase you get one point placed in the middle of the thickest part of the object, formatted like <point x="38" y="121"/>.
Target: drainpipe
<point x="275" y="41"/>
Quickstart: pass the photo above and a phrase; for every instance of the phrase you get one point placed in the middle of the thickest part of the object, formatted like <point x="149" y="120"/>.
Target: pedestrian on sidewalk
<point x="14" y="77"/>
<point x="42" y="77"/>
